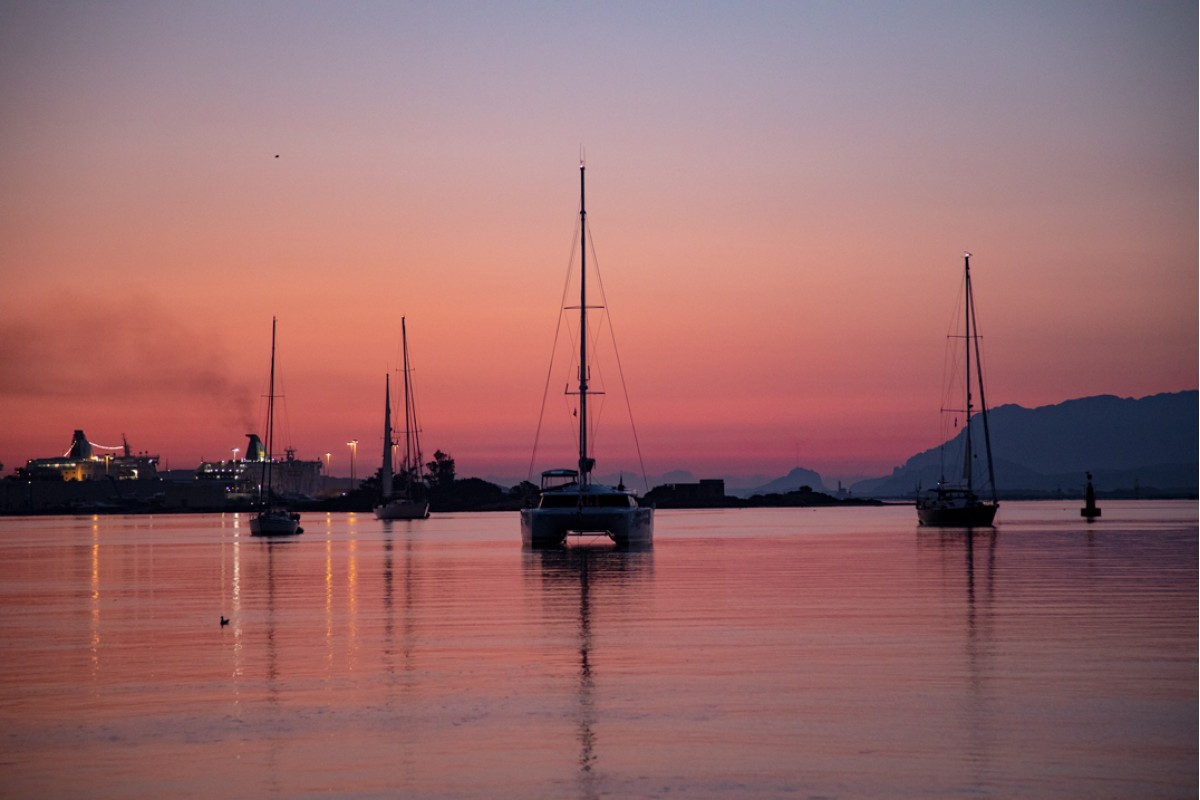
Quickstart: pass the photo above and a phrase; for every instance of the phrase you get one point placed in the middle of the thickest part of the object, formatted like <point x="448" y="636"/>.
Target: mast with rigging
<point x="957" y="504"/>
<point x="569" y="502"/>
<point x="585" y="463"/>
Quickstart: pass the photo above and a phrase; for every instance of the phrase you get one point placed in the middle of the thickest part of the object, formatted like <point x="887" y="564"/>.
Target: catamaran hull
<point x="971" y="516"/>
<point x="402" y="509"/>
<point x="550" y="527"/>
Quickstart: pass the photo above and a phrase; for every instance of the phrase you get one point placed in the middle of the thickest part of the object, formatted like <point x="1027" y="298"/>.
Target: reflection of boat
<point x="569" y="502"/>
<point x="272" y="519"/>
<point x="600" y="577"/>
<point x="409" y="502"/>
<point x="957" y="504"/>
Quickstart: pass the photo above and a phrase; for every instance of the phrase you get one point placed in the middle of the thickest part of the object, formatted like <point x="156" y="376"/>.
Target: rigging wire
<point x="553" y="349"/>
<point x="977" y="341"/>
<point x="948" y="419"/>
<point x="411" y="422"/>
<point x="281" y="397"/>
<point x="594" y="337"/>
<point x="953" y="376"/>
<point x="620" y="369"/>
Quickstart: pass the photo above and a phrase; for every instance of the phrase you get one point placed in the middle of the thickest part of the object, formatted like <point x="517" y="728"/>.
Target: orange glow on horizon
<point x="778" y="219"/>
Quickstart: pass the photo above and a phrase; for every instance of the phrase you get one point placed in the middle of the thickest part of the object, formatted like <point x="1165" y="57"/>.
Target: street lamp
<point x="235" y="452"/>
<point x="353" y="443"/>
<point x="326" y="482"/>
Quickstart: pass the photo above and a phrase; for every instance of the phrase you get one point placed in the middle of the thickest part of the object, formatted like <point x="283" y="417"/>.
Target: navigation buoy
<point x="1089" y="510"/>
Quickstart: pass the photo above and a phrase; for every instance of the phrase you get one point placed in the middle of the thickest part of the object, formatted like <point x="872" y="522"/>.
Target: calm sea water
<point x="833" y="653"/>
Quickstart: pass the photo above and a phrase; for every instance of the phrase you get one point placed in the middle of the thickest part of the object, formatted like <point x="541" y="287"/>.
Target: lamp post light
<point x="326" y="480"/>
<point x="235" y="452"/>
<point x="353" y="443"/>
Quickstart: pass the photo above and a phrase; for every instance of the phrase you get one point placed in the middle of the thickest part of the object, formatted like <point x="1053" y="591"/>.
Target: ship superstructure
<point x="82" y="463"/>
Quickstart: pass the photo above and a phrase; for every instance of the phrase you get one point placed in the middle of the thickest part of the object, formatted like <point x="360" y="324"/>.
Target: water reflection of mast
<point x="403" y="759"/>
<point x="593" y="568"/>
<point x="272" y="666"/>
<point x="969" y="536"/>
<point x="389" y="594"/>
<point x="587" y="711"/>
<point x="977" y="641"/>
<point x="977" y="637"/>
<point x="272" y="653"/>
<point x="388" y="614"/>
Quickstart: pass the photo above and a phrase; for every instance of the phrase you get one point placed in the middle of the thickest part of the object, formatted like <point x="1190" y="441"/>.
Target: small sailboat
<point x="272" y="519"/>
<point x="957" y="504"/>
<point x="569" y="502"/>
<point x="409" y="502"/>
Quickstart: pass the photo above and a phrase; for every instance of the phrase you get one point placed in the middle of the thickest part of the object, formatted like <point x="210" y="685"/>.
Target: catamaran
<point x="957" y="504"/>
<point x="570" y="502"/>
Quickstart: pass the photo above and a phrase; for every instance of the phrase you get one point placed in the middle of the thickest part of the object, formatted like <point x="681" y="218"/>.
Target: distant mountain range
<point x="1148" y="443"/>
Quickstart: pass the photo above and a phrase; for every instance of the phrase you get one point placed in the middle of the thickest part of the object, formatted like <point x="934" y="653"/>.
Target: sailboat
<point x="409" y="502"/>
<point x="272" y="519"/>
<point x="957" y="504"/>
<point x="569" y="502"/>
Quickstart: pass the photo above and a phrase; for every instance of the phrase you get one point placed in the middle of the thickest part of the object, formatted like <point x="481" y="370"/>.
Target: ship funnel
<point x="254" y="450"/>
<point x="80" y="446"/>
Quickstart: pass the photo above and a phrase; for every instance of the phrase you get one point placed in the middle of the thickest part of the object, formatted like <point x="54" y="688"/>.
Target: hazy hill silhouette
<point x="1149" y="442"/>
<point x="792" y="482"/>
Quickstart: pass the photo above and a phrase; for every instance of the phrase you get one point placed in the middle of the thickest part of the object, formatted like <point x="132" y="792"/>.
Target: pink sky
<point x="779" y="195"/>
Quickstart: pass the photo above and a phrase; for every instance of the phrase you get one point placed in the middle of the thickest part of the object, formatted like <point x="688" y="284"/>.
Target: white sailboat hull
<point x="402" y="509"/>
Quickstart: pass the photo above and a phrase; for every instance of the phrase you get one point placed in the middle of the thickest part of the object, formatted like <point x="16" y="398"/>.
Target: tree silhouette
<point x="441" y="472"/>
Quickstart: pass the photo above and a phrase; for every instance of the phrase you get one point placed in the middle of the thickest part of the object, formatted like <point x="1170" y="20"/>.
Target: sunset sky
<point x="779" y="193"/>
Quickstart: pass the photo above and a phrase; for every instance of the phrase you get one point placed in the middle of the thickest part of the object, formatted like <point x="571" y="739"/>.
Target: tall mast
<point x="410" y="422"/>
<point x="967" y="341"/>
<point x="266" y="487"/>
<point x="987" y="439"/>
<point x="385" y="471"/>
<point x="585" y="463"/>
